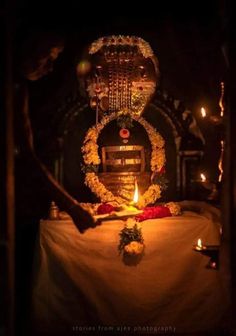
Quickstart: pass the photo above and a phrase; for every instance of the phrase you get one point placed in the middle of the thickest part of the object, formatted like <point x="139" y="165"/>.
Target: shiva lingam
<point x="211" y="251"/>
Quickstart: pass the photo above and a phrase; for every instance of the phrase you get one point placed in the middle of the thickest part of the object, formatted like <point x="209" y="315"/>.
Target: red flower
<point x="154" y="212"/>
<point x="124" y="133"/>
<point x="105" y="208"/>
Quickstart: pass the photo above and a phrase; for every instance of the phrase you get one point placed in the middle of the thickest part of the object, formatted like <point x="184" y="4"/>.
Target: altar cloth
<point x="82" y="284"/>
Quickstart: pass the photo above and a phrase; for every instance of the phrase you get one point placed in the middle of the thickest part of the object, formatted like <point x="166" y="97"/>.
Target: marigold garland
<point x="91" y="157"/>
<point x="174" y="208"/>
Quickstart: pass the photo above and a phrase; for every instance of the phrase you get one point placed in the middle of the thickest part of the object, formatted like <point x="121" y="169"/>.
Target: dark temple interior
<point x="154" y="83"/>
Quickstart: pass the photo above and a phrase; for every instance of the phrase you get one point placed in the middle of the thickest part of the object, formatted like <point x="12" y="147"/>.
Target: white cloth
<point x="81" y="280"/>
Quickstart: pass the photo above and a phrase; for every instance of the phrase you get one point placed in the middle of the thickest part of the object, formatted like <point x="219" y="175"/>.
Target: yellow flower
<point x="157" y="159"/>
<point x="174" y="208"/>
<point x="134" y="248"/>
<point x="150" y="196"/>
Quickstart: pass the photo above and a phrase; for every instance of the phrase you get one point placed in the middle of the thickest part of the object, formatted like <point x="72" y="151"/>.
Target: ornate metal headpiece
<point x="121" y="40"/>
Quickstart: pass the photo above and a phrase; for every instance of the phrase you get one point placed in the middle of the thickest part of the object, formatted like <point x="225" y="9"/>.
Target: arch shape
<point x="92" y="160"/>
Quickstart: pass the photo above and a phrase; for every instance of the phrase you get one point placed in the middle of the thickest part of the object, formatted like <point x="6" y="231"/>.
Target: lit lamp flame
<point x="199" y="246"/>
<point x="135" y="198"/>
<point x="199" y="243"/>
<point x="203" y="112"/>
<point x="222" y="85"/>
<point x="203" y="177"/>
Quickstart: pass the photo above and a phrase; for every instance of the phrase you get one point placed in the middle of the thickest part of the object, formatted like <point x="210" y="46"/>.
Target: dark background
<point x="188" y="39"/>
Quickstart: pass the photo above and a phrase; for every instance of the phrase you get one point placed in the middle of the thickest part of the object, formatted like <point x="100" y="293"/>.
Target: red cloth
<point x="154" y="212"/>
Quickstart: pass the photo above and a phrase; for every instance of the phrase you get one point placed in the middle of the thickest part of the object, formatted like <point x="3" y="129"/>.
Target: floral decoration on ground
<point x="131" y="244"/>
<point x="159" y="211"/>
<point x="150" y="212"/>
<point x="92" y="160"/>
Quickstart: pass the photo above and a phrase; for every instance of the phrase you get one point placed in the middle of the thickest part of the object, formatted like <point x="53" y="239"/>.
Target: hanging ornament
<point x="124" y="134"/>
<point x="104" y="103"/>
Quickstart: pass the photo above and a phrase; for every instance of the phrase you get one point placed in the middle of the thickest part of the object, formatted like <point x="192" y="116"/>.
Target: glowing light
<point x="199" y="246"/>
<point x="203" y="177"/>
<point x="203" y="112"/>
<point x="213" y="264"/>
<point x="199" y="243"/>
<point x="220" y="164"/>
<point x="83" y="67"/>
<point x="222" y="85"/>
<point x="135" y="198"/>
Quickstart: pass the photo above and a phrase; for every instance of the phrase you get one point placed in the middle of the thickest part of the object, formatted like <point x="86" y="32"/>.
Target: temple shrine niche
<point x="135" y="131"/>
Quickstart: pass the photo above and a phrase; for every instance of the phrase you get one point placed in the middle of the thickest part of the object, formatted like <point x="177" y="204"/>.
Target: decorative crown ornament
<point x="121" y="40"/>
<point x="122" y="75"/>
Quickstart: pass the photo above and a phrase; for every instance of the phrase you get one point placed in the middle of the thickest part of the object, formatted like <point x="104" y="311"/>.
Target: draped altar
<point x="82" y="282"/>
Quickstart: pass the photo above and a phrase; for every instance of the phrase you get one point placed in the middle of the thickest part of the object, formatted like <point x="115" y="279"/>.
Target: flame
<point x="203" y="177"/>
<point x="199" y="243"/>
<point x="222" y="85"/>
<point x="135" y="198"/>
<point x="203" y="112"/>
<point x="220" y="164"/>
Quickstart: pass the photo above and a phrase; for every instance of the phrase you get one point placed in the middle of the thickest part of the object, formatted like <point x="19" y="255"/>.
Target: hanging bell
<point x="104" y="103"/>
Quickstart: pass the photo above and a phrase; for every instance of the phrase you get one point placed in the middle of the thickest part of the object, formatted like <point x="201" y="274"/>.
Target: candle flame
<point x="203" y="177"/>
<point x="203" y="112"/>
<point x="135" y="198"/>
<point x="199" y="243"/>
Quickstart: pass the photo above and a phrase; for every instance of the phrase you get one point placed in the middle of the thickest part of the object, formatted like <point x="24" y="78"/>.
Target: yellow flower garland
<point x="91" y="157"/>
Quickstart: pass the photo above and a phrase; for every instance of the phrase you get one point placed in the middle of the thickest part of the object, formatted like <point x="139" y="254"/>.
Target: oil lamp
<point x="199" y="246"/>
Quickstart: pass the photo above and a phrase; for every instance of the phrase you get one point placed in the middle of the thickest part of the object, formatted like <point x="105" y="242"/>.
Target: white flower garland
<point x="91" y="157"/>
